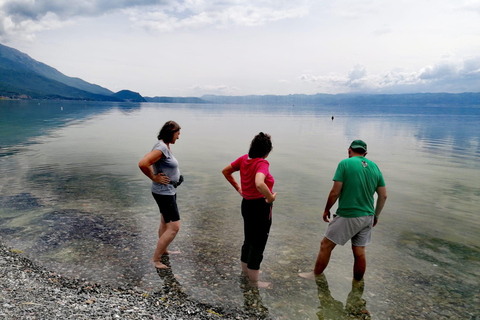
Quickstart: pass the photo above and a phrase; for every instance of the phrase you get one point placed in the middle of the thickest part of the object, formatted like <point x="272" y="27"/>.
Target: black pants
<point x="257" y="219"/>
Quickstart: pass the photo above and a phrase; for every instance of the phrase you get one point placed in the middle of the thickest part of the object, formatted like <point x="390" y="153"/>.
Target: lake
<point x="73" y="200"/>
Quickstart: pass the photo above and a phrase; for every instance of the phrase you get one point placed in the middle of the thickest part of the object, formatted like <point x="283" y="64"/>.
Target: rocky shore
<point x="29" y="291"/>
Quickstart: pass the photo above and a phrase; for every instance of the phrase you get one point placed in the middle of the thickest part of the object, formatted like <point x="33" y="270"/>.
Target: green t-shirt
<point x="360" y="178"/>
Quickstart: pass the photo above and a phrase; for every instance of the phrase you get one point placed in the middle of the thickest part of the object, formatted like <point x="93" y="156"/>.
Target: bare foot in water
<point x="159" y="265"/>
<point x="307" y="275"/>
<point x="168" y="252"/>
<point x="261" y="284"/>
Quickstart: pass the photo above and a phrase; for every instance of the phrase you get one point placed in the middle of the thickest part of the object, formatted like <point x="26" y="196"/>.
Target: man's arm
<point x="332" y="198"/>
<point x="382" y="198"/>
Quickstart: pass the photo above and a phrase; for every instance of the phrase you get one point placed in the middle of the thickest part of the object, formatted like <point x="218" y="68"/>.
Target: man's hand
<point x="326" y="216"/>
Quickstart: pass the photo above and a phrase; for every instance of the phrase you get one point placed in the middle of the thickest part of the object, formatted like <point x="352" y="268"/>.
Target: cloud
<point x="221" y="15"/>
<point x="450" y="75"/>
<point x="471" y="7"/>
<point x="200" y="90"/>
<point x="20" y="25"/>
<point x="36" y="10"/>
<point x="24" y="18"/>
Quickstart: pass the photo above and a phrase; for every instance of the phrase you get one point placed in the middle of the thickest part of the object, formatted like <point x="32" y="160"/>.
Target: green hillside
<point x="127" y="95"/>
<point x="22" y="76"/>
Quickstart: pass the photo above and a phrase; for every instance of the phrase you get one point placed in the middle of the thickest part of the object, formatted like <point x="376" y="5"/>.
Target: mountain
<point x="22" y="76"/>
<point x="175" y="100"/>
<point x="127" y="95"/>
<point x="461" y="99"/>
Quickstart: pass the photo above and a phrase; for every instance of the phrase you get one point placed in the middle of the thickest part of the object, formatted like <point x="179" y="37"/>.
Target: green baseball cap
<point x="358" y="144"/>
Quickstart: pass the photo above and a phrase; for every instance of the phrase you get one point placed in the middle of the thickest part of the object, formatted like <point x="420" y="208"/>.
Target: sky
<point x="242" y="47"/>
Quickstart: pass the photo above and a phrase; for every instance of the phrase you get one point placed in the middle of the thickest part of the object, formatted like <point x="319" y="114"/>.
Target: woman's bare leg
<point x="244" y="269"/>
<point x="253" y="276"/>
<point x="161" y="230"/>
<point x="167" y="236"/>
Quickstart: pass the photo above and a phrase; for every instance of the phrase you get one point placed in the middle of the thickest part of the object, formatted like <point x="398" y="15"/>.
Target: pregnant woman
<point x="161" y="167"/>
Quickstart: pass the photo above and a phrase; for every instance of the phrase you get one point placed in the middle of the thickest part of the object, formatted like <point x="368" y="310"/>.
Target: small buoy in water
<point x="61" y="108"/>
<point x="333" y="118"/>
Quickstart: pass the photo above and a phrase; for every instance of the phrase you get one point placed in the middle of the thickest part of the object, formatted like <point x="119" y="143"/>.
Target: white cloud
<point x="25" y="18"/>
<point x="471" y="6"/>
<point x="450" y="74"/>
<point x="196" y="15"/>
<point x="13" y="27"/>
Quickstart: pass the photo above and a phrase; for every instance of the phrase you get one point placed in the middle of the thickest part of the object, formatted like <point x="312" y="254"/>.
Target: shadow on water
<point x="447" y="255"/>
<point x="329" y="308"/>
<point x="80" y="243"/>
<point x="173" y="290"/>
<point x="171" y="285"/>
<point x="22" y="201"/>
<point x="253" y="303"/>
<point x="443" y="284"/>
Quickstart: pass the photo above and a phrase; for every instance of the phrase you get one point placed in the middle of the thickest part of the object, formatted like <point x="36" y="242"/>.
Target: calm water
<point x="73" y="199"/>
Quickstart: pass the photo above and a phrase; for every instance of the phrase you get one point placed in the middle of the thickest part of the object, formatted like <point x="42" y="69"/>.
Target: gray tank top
<point x="169" y="166"/>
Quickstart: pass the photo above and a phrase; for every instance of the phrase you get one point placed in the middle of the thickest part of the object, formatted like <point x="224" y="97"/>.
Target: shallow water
<point x="73" y="199"/>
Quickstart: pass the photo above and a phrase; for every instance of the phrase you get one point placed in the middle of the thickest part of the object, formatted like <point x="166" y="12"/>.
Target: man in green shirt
<point x="355" y="182"/>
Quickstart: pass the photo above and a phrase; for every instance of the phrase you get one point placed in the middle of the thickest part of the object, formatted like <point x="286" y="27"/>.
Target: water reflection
<point x="355" y="306"/>
<point x="171" y="286"/>
<point x="253" y="303"/>
<point x="22" y="121"/>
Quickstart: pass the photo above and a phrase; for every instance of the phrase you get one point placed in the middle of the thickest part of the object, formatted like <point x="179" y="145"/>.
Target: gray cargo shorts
<point x="359" y="230"/>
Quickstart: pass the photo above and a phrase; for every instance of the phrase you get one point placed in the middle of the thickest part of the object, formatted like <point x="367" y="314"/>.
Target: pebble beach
<point x="29" y="291"/>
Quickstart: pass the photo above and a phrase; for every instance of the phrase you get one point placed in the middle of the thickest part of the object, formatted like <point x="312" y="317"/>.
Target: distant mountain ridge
<point x="26" y="78"/>
<point x="23" y="62"/>
<point x="22" y="76"/>
<point x="176" y="100"/>
<point x="467" y="98"/>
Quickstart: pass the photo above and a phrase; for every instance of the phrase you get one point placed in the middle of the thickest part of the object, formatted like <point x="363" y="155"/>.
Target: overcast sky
<point x="240" y="47"/>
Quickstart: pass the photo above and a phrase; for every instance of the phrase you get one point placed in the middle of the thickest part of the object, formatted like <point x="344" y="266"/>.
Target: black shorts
<point x="168" y="206"/>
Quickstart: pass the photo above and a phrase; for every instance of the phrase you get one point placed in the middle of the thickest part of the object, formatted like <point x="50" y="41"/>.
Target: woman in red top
<point x="256" y="190"/>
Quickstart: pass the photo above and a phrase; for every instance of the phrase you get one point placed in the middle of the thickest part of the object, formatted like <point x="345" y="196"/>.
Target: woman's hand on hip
<point x="161" y="178"/>
<point x="272" y="198"/>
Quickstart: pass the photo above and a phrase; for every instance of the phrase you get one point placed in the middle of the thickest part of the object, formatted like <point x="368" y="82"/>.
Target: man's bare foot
<point x="159" y="265"/>
<point x="168" y="252"/>
<point x="307" y="275"/>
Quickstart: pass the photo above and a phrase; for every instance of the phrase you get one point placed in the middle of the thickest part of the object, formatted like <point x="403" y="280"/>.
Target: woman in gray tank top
<point x="160" y="166"/>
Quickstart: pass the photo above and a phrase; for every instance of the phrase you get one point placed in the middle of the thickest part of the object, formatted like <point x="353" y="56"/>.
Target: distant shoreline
<point x="358" y="99"/>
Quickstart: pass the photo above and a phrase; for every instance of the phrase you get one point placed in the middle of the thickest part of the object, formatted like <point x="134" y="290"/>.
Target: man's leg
<point x="326" y="247"/>
<point x="360" y="264"/>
